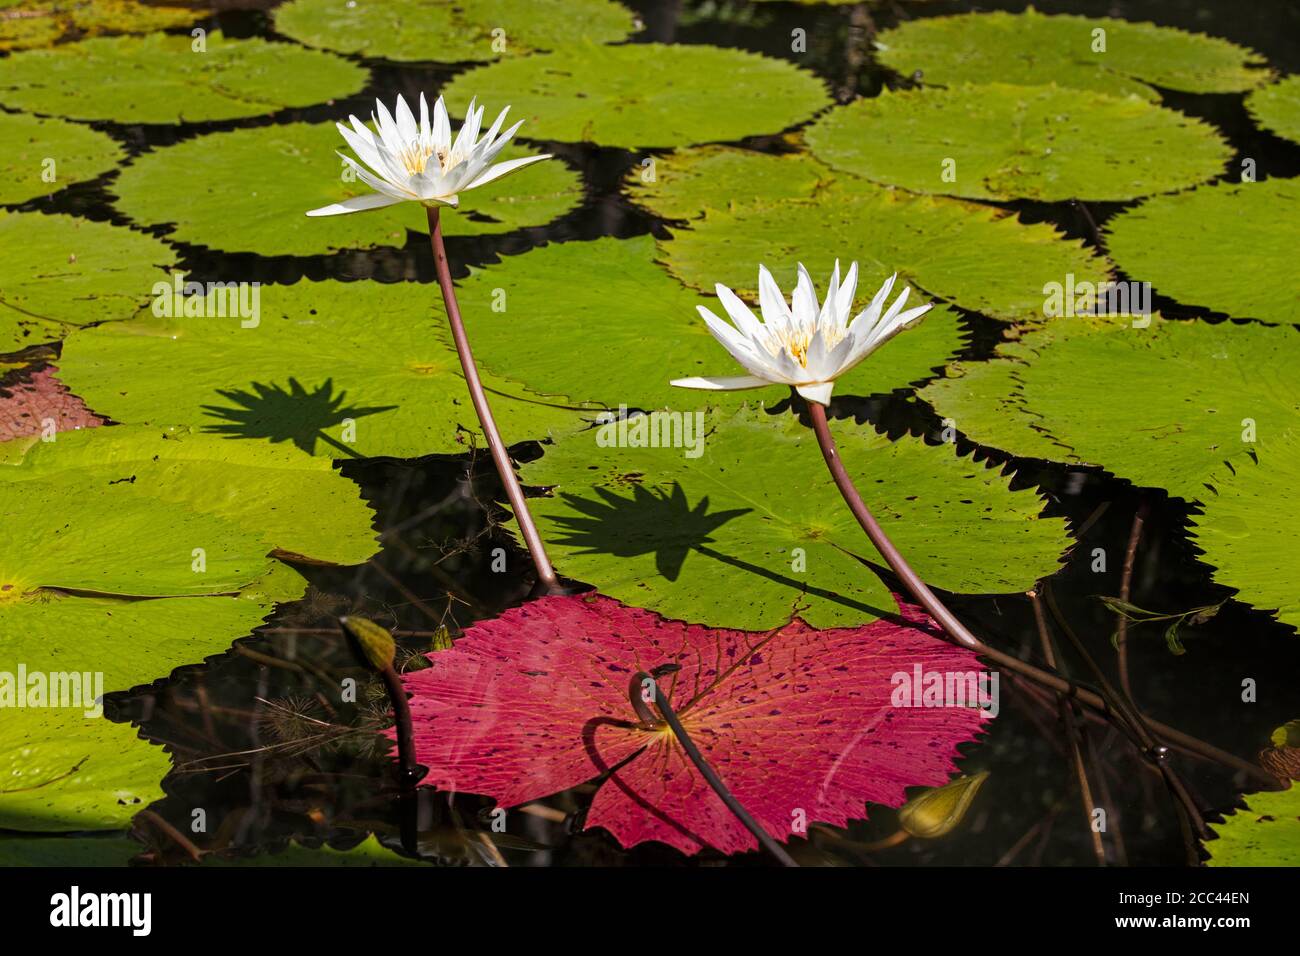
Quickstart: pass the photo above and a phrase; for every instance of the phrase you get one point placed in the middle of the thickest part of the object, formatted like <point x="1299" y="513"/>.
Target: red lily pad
<point x="799" y="723"/>
<point x="25" y="407"/>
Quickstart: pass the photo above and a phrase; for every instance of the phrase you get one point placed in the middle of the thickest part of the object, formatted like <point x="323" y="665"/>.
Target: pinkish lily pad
<point x="800" y="723"/>
<point x="27" y="406"/>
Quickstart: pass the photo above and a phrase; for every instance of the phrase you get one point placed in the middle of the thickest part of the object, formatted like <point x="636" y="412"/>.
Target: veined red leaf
<point x="25" y="406"/>
<point x="799" y="723"/>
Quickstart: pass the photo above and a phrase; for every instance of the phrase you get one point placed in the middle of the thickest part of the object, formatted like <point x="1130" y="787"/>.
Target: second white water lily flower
<point x="419" y="162"/>
<point x="801" y="344"/>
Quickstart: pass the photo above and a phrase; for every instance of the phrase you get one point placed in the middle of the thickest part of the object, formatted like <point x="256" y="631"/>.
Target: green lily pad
<point x="249" y="190"/>
<point x="30" y="23"/>
<point x="656" y="333"/>
<point x="97" y="851"/>
<point x="1019" y="142"/>
<point x="102" y="577"/>
<point x="369" y="852"/>
<point x="60" y="271"/>
<point x="44" y="155"/>
<point x="1277" y="108"/>
<point x="444" y="31"/>
<point x="688" y="182"/>
<point x="971" y="255"/>
<point x="1034" y="49"/>
<point x="161" y="78"/>
<point x="752" y="530"/>
<point x="1248" y="529"/>
<point x="1187" y="395"/>
<point x="1226" y="247"/>
<point x="339" y="369"/>
<point x="1264" y="833"/>
<point x="646" y="94"/>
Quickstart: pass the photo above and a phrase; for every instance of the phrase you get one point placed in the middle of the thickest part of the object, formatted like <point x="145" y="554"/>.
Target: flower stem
<point x="636" y="688"/>
<point x="546" y="579"/>
<point x="959" y="632"/>
<point x="409" y="774"/>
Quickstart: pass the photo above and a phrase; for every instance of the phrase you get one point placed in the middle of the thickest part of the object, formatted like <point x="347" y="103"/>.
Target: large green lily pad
<point x="249" y="190"/>
<point x="339" y="369"/>
<point x="30" y="23"/>
<point x="44" y="155"/>
<point x="688" y="182"/>
<point x="101" y="576"/>
<point x="161" y="78"/>
<point x="647" y="94"/>
<point x="1228" y="247"/>
<point x="94" y="851"/>
<point x="655" y="333"/>
<point x="60" y="271"/>
<point x="1034" y="49"/>
<point x="1164" y="406"/>
<point x="370" y="852"/>
<point x="999" y="141"/>
<point x="1248" y="529"/>
<point x="971" y="255"/>
<point x="1266" y="832"/>
<point x="1277" y="108"/>
<point x="752" y="530"/>
<point x="446" y="31"/>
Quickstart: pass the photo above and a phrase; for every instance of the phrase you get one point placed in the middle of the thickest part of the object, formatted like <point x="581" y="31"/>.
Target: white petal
<point x="355" y="204"/>
<point x="501" y="169"/>
<point x="739" y="312"/>
<point x="721" y="384"/>
<point x="406" y="128"/>
<point x="425" y="131"/>
<point x="740" y="348"/>
<point x="776" y="313"/>
<point x="819" y="393"/>
<point x="845" y="298"/>
<point x="441" y="125"/>
<point x="364" y="147"/>
<point x="804" y="303"/>
<point x="867" y="318"/>
<point x="387" y="128"/>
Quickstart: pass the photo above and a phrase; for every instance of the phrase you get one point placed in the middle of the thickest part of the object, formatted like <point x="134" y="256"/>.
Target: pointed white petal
<point x="441" y="125"/>
<point x="425" y="131"/>
<point x="819" y="393"/>
<point x="721" y="383"/>
<point x="776" y="312"/>
<point x="355" y="204"/>
<point x="804" y="303"/>
<point x="406" y="128"/>
<point x="738" y="312"/>
<point x="502" y="169"/>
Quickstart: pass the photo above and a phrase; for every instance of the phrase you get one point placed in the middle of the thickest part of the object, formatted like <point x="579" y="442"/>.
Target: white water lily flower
<point x="412" y="162"/>
<point x="800" y="344"/>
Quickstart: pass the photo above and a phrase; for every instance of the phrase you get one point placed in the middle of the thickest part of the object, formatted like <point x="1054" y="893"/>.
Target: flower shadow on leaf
<point x="664" y="523"/>
<point x="651" y="520"/>
<point x="293" y="414"/>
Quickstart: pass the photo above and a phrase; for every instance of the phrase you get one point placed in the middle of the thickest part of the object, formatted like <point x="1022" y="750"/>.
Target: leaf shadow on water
<point x="291" y="414"/>
<point x="655" y="520"/>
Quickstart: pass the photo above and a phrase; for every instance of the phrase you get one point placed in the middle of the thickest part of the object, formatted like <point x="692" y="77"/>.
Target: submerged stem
<point x="546" y="579"/>
<point x="641" y="681"/>
<point x="960" y="633"/>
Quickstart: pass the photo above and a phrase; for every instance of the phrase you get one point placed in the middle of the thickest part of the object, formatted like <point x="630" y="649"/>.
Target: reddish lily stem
<point x="711" y="777"/>
<point x="546" y="578"/>
<point x="959" y="632"/>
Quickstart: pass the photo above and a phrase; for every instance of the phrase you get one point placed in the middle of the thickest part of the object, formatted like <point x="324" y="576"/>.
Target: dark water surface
<point x="260" y="744"/>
